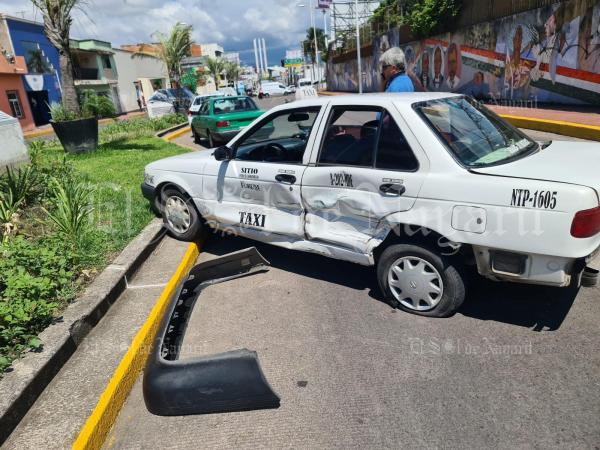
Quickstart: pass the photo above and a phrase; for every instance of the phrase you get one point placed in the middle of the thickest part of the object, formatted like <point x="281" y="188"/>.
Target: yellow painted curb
<point x="555" y="126"/>
<point x="94" y="432"/>
<point x="177" y="134"/>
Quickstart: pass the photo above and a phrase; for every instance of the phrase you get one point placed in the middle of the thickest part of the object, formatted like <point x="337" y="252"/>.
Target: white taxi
<point x="419" y="185"/>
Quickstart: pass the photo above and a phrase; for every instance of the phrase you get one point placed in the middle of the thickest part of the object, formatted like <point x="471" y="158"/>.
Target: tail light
<point x="586" y="223"/>
<point x="222" y="123"/>
<point x="189" y="112"/>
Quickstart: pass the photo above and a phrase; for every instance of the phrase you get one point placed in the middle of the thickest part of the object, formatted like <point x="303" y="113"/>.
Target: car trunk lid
<point x="562" y="161"/>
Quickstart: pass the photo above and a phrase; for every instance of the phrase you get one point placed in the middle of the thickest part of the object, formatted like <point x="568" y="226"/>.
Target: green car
<point x="221" y="118"/>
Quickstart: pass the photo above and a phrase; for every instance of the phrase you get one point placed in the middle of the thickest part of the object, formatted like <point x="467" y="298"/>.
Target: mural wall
<point x="550" y="54"/>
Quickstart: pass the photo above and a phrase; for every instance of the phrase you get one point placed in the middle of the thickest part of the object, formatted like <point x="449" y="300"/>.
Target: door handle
<point x="285" y="178"/>
<point x="392" y="189"/>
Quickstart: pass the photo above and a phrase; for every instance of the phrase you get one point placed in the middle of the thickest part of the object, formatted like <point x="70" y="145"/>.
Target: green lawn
<point x="116" y="171"/>
<point x="43" y="264"/>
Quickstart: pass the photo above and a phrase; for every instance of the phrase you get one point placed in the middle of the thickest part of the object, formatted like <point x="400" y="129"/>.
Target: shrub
<point x="60" y="113"/>
<point x="19" y="183"/>
<point x="35" y="277"/>
<point x="72" y="207"/>
<point x="98" y="106"/>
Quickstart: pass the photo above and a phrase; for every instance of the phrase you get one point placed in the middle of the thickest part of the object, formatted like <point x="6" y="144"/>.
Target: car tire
<point x="196" y="137"/>
<point x="211" y="140"/>
<point x="180" y="217"/>
<point x="417" y="280"/>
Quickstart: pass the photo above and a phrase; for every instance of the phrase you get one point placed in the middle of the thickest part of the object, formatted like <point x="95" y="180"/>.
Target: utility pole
<point x="360" y="89"/>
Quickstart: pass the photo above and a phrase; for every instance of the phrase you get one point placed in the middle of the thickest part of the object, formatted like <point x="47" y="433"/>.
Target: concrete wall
<point x="548" y="54"/>
<point x="132" y="70"/>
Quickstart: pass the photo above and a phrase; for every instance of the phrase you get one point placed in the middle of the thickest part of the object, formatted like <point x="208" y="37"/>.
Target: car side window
<point x="280" y="138"/>
<point x="350" y="136"/>
<point x="204" y="108"/>
<point x="393" y="151"/>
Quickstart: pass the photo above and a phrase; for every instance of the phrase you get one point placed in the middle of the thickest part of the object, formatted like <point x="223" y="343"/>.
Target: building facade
<point x="95" y="69"/>
<point x="13" y="98"/>
<point x="42" y="85"/>
<point x="138" y="78"/>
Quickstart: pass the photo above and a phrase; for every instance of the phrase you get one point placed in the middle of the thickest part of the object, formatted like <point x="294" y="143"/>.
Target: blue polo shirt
<point x="401" y="83"/>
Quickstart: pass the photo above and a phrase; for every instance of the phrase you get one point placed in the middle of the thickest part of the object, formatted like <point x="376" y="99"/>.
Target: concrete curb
<point x="175" y="133"/>
<point x="94" y="432"/>
<point x="20" y="388"/>
<point x="572" y="129"/>
<point x="165" y="134"/>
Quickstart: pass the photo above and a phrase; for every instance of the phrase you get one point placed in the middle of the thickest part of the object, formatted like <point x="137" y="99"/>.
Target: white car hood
<point x="192" y="162"/>
<point x="562" y="161"/>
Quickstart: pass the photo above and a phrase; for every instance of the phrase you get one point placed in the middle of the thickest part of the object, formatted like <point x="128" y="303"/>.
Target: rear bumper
<point x="225" y="136"/>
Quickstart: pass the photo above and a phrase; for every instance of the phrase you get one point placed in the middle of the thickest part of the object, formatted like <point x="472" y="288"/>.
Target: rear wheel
<point x="196" y="137"/>
<point x="417" y="280"/>
<point x="211" y="140"/>
<point x="180" y="217"/>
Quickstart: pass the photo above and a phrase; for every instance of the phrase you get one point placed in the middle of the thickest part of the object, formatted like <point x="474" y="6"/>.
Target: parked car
<point x="221" y="118"/>
<point x="420" y="185"/>
<point x="178" y="99"/>
<point x="197" y="103"/>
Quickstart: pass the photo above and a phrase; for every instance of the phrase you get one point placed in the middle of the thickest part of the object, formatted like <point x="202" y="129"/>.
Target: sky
<point x="231" y="23"/>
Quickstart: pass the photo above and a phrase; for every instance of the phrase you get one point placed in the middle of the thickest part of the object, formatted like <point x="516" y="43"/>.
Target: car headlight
<point x="148" y="179"/>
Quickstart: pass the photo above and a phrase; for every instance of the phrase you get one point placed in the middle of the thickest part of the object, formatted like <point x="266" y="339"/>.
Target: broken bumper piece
<point x="226" y="382"/>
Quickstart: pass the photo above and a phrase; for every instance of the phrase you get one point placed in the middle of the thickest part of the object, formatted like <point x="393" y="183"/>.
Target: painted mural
<point x="550" y="54"/>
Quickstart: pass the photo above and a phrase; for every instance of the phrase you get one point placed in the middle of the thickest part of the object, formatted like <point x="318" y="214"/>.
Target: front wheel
<point x="419" y="281"/>
<point x="180" y="217"/>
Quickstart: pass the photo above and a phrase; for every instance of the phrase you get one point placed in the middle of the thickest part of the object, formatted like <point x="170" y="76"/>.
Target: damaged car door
<point x="366" y="168"/>
<point x="257" y="192"/>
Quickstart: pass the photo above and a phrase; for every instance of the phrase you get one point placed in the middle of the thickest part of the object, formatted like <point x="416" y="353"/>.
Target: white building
<point x="138" y="78"/>
<point x="212" y="50"/>
<point x="232" y="57"/>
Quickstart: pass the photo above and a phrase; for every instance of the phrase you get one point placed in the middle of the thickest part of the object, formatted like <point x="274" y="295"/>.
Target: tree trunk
<point x="69" y="94"/>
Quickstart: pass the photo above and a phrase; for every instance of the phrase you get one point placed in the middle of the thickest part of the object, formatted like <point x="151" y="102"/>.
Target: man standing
<point x="393" y="71"/>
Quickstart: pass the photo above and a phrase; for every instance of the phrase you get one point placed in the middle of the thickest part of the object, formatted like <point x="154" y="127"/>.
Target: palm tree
<point x="233" y="72"/>
<point x="215" y="67"/>
<point x="173" y="48"/>
<point x="309" y="44"/>
<point x="57" y="27"/>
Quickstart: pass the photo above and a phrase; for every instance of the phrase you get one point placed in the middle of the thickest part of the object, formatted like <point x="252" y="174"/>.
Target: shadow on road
<point x="534" y="307"/>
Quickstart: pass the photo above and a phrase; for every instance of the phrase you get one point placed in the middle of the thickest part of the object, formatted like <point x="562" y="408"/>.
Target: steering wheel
<point x="274" y="152"/>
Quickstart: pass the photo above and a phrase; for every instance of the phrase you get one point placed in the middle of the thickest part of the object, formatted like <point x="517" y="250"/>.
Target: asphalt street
<point x="517" y="367"/>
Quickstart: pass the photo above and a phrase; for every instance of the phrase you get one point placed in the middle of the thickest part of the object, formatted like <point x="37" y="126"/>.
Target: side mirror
<point x="223" y="153"/>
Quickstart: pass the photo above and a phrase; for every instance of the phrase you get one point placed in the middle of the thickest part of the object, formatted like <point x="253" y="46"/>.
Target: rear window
<point x="475" y="136"/>
<point x="233" y="104"/>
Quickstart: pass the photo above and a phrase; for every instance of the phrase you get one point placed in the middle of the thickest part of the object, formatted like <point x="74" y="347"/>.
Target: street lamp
<point x="312" y="23"/>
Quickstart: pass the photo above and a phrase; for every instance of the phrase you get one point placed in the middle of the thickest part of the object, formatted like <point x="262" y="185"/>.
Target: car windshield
<point x="233" y="104"/>
<point x="475" y="135"/>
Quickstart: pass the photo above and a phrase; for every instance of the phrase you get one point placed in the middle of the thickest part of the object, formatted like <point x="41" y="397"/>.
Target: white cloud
<point x="231" y="23"/>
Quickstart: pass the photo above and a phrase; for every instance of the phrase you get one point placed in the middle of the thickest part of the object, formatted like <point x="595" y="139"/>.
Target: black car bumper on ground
<point x="224" y="136"/>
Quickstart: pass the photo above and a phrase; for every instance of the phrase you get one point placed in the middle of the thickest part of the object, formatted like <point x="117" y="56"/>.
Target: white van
<point x="273" y="89"/>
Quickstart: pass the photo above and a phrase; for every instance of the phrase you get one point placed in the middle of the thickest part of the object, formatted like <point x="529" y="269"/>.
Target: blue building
<point x="42" y="83"/>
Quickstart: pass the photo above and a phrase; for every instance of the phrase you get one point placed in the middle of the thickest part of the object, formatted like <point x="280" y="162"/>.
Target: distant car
<point x="221" y="118"/>
<point x="197" y="103"/>
<point x="180" y="100"/>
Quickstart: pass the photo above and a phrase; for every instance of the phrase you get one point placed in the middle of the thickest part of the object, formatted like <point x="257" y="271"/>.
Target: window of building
<point x="106" y="62"/>
<point x="15" y="104"/>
